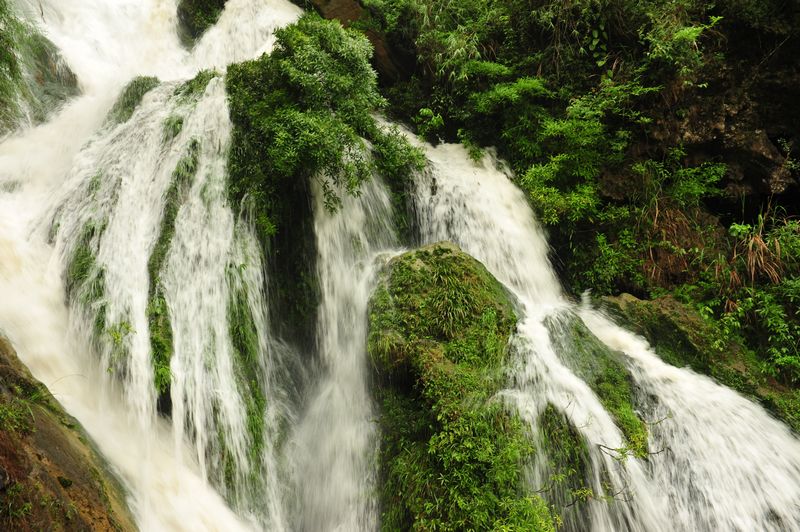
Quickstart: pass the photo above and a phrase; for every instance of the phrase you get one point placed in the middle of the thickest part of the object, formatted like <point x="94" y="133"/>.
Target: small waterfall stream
<point x="336" y="438"/>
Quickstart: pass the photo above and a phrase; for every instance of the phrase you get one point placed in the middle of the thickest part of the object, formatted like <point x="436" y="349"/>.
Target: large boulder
<point x="451" y="453"/>
<point x="51" y="478"/>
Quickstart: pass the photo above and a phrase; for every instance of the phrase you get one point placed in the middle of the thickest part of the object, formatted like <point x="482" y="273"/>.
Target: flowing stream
<point x="240" y="450"/>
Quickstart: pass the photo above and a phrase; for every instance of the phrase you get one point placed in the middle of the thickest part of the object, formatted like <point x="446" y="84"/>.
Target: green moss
<point x="172" y="127"/>
<point x="602" y="369"/>
<point x="157" y="311"/>
<point x="85" y="280"/>
<point x="451" y="454"/>
<point x="195" y="86"/>
<point x="196" y="16"/>
<point x="130" y="98"/>
<point x="568" y="461"/>
<point x="244" y="337"/>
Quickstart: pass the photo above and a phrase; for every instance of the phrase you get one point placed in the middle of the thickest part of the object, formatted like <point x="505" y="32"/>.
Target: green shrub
<point x="130" y="98"/>
<point x="303" y="112"/>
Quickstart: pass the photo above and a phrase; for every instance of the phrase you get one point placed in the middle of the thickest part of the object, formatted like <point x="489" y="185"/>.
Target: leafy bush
<point x="306" y="111"/>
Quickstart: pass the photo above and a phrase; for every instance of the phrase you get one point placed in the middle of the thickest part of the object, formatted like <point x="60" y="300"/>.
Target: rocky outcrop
<point x="438" y="337"/>
<point x="51" y="478"/>
<point x="745" y="114"/>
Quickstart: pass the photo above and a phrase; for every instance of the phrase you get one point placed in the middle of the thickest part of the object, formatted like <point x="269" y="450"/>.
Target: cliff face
<point x="51" y="478"/>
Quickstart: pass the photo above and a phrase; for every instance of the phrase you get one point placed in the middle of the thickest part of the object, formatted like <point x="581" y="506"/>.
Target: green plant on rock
<point x="304" y="112"/>
<point x="606" y="375"/>
<point x="85" y="279"/>
<point x="568" y="461"/>
<point x="157" y="309"/>
<point x="34" y="80"/>
<point x="130" y="98"/>
<point x="452" y="453"/>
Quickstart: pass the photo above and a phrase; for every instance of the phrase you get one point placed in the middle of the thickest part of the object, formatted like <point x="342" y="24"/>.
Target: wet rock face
<point x="50" y="476"/>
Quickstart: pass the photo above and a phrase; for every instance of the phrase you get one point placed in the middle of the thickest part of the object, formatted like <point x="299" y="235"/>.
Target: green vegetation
<point x="157" y="311"/>
<point x="452" y="453"/>
<point x="173" y="126"/>
<point x="33" y="78"/>
<point x="194" y="87"/>
<point x="617" y="119"/>
<point x="304" y="112"/>
<point x="196" y="16"/>
<point x="568" y="460"/>
<point x="130" y="98"/>
<point x="244" y="337"/>
<point x="85" y="280"/>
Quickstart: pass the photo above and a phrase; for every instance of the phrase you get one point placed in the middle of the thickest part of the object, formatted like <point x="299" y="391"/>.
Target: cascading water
<point x="140" y="221"/>
<point x="115" y="193"/>
<point x="336" y="441"/>
<point x="728" y="465"/>
<point x="724" y="463"/>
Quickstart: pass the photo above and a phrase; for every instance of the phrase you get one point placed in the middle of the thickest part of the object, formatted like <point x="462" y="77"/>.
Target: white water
<point x="729" y="465"/>
<point x="726" y="465"/>
<point x="78" y="170"/>
<point x="336" y="441"/>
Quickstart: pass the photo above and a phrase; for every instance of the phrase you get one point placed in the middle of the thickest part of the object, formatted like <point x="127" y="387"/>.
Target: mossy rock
<point x="683" y="338"/>
<point x="130" y="98"/>
<point x="51" y="478"/>
<point x="34" y="79"/>
<point x="605" y="373"/>
<point x="452" y="453"/>
<point x="196" y="16"/>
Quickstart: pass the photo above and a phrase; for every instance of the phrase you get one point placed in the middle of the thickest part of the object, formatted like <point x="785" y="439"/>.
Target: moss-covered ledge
<point x="682" y="337"/>
<point x="196" y="16"/>
<point x="51" y="478"/>
<point x="605" y="373"/>
<point x="451" y="452"/>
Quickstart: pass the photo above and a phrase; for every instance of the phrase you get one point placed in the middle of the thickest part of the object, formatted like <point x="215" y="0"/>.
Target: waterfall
<point x="137" y="293"/>
<point x="336" y="440"/>
<point x="137" y="212"/>
<point x="719" y="461"/>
